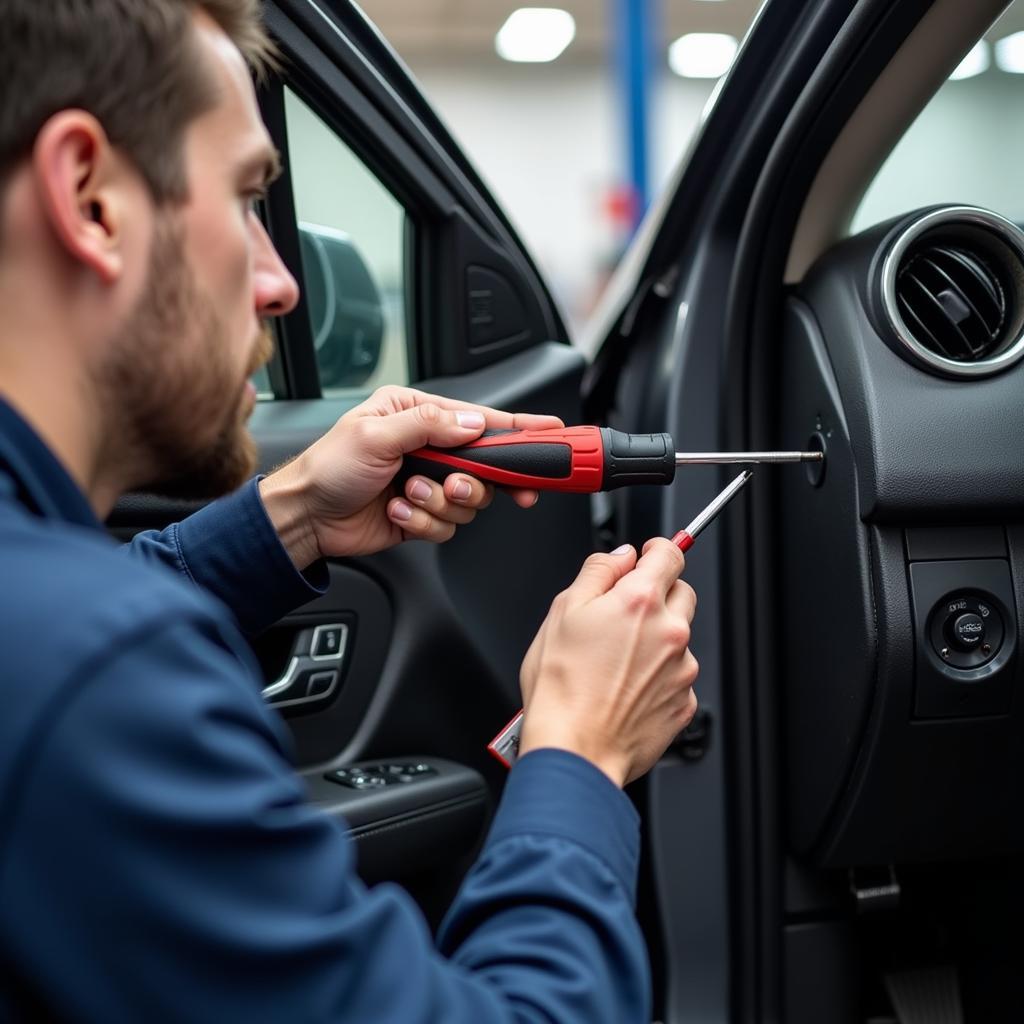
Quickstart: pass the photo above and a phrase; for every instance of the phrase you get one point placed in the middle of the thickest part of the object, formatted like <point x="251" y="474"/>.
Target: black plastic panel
<point x="927" y="450"/>
<point x="943" y="543"/>
<point x="923" y="790"/>
<point x="828" y="644"/>
<point x="408" y="829"/>
<point x="822" y="980"/>
<point x="869" y="781"/>
<point x="482" y="307"/>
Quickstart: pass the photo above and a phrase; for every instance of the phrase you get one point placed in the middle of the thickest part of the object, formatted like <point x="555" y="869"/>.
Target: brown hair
<point x="133" y="64"/>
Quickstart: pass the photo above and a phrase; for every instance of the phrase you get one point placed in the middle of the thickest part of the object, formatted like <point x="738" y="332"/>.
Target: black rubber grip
<point x="637" y="459"/>
<point x="551" y="461"/>
<point x="546" y="461"/>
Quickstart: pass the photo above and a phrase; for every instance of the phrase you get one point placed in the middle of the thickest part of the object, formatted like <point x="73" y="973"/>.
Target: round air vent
<point x="953" y="291"/>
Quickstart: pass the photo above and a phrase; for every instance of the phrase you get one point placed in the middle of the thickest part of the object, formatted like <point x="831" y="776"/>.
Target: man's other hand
<point x="338" y="498"/>
<point x="610" y="675"/>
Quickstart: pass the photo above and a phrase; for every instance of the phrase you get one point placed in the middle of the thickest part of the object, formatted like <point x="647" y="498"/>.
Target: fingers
<point x="682" y="600"/>
<point x="393" y="399"/>
<point x="467" y="491"/>
<point x="659" y="566"/>
<point x="418" y="523"/>
<point x="522" y="497"/>
<point x="392" y="436"/>
<point x="688" y="706"/>
<point x="528" y="421"/>
<point x="442" y="503"/>
<point x="600" y="572"/>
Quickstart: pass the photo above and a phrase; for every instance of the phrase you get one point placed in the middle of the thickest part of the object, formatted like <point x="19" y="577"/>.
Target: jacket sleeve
<point x="162" y="854"/>
<point x="231" y="549"/>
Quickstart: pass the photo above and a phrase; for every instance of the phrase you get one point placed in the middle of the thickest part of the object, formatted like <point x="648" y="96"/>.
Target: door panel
<point x="441" y="630"/>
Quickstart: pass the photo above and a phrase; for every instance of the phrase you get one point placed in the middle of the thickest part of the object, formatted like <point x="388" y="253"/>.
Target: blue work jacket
<point x="158" y="859"/>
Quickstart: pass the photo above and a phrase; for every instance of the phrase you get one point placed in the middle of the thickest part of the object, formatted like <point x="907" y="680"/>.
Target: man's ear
<point x="80" y="182"/>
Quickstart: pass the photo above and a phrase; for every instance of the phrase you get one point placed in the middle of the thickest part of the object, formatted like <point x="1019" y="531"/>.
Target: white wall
<point x="549" y="142"/>
<point x="966" y="147"/>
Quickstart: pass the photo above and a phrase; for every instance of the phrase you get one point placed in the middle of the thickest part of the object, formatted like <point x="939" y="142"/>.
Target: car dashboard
<point x="902" y="562"/>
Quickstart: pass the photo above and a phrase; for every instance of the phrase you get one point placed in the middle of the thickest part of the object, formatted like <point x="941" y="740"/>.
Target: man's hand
<point x="338" y="499"/>
<point x="610" y="676"/>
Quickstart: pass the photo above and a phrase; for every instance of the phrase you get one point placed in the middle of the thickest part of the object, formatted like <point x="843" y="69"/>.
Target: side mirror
<point x="345" y="308"/>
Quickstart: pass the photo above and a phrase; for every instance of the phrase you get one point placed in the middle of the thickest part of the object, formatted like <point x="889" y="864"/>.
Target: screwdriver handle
<point x="574" y="460"/>
<point x="683" y="541"/>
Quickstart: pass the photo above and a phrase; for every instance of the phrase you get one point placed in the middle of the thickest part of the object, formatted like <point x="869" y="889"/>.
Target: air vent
<point x="953" y="292"/>
<point x="952" y="302"/>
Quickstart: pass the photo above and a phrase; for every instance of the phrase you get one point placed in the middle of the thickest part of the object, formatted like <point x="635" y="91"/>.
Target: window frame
<point x="293" y="371"/>
<point x="337" y="64"/>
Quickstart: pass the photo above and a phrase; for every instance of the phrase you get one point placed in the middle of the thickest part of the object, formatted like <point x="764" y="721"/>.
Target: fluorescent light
<point x="702" y="54"/>
<point x="976" y="61"/>
<point x="1010" y="53"/>
<point x="535" y="34"/>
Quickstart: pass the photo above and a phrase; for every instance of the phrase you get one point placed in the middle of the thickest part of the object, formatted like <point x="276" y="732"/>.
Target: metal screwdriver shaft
<point x="739" y="458"/>
<point x="684" y="538"/>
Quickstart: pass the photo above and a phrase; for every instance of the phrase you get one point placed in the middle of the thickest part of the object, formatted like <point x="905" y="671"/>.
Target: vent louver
<point x="952" y="302"/>
<point x="953" y="291"/>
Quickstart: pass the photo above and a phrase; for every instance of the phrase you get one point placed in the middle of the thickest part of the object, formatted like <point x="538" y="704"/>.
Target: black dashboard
<point x="902" y="564"/>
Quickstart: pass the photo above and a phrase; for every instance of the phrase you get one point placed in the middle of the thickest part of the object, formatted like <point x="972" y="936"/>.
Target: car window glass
<point x="261" y="380"/>
<point x="965" y="147"/>
<point x="352" y="242"/>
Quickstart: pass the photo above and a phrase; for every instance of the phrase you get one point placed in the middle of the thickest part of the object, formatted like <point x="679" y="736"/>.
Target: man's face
<point x="180" y="370"/>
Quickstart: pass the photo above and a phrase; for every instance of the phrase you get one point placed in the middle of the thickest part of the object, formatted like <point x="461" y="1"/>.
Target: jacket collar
<point x="40" y="482"/>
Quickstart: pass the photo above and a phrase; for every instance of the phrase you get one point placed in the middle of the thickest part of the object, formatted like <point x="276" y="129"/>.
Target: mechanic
<point x="157" y="858"/>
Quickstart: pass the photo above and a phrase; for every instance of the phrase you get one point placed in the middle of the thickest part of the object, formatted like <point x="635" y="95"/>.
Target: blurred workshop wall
<point x="552" y="140"/>
<point x="547" y="142"/>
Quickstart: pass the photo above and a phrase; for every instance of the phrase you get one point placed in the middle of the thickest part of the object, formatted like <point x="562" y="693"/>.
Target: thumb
<point x="600" y="573"/>
<point x="405" y="431"/>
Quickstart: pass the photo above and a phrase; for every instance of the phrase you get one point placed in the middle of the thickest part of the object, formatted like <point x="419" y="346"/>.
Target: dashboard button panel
<point x="966" y="637"/>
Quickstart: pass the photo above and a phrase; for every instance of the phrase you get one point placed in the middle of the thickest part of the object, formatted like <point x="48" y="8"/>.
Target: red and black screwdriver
<point x="577" y="460"/>
<point x="505" y="746"/>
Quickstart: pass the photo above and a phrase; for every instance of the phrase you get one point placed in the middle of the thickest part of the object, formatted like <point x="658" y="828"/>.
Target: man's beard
<point x="169" y="382"/>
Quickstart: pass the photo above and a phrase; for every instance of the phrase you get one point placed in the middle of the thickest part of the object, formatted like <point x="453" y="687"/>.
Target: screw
<point x="986" y="648"/>
<point x="944" y="652"/>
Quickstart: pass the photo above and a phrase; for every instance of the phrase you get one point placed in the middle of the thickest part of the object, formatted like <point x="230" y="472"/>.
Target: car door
<point x="848" y="846"/>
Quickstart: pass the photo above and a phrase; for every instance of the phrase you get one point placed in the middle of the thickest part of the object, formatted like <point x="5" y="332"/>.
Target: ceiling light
<point x="976" y="61"/>
<point x="1010" y="53"/>
<point x="702" y="54"/>
<point x="535" y="34"/>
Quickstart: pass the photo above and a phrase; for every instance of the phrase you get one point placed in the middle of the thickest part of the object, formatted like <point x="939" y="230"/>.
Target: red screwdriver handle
<point x="683" y="541"/>
<point x="575" y="460"/>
